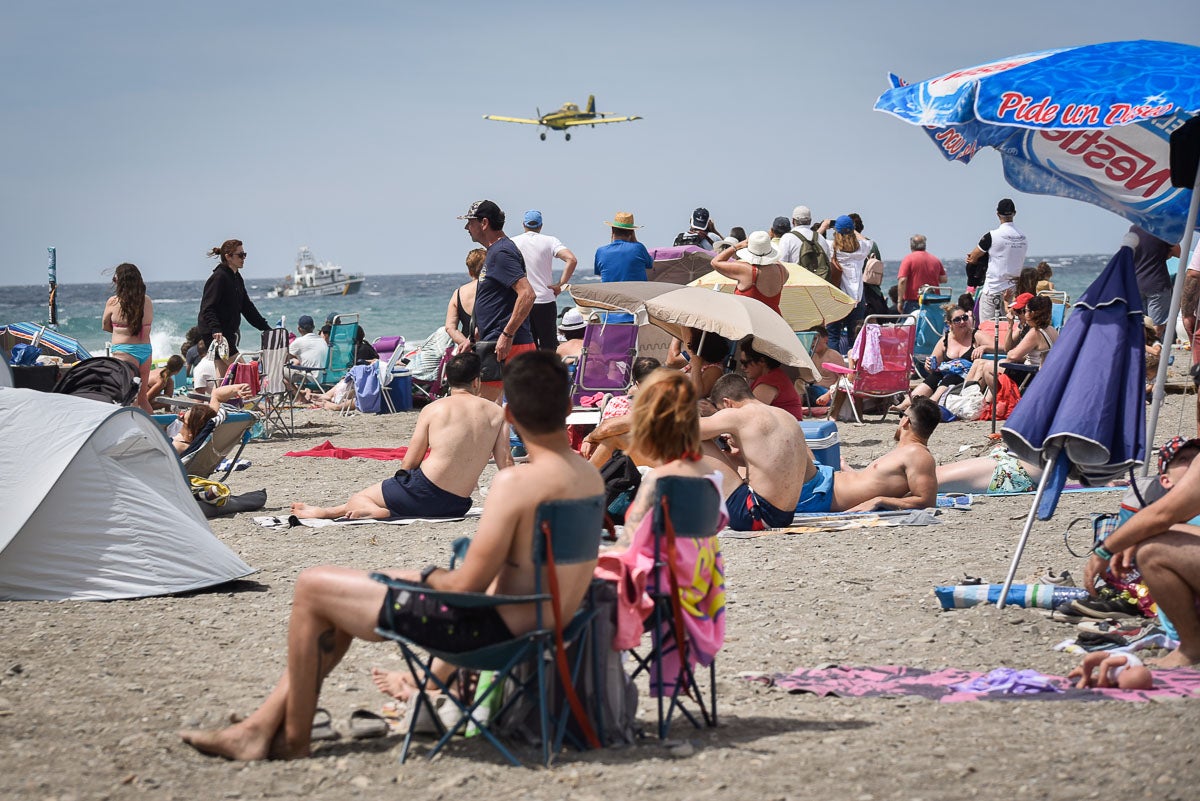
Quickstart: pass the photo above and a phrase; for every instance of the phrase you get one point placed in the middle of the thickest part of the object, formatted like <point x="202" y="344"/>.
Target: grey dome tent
<point x="96" y="505"/>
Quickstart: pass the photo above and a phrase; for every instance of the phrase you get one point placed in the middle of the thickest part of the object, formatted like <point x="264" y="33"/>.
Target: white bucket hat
<point x="572" y="320"/>
<point x="758" y="250"/>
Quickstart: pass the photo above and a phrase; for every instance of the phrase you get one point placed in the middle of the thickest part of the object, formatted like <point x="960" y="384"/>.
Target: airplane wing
<point x="596" y="121"/>
<point x="512" y="119"/>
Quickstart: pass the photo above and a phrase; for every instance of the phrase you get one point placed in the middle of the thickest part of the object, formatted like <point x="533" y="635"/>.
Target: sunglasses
<point x="959" y="319"/>
<point x="241" y="255"/>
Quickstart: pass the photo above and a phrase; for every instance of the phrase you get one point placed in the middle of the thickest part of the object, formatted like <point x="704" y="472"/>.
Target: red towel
<point x="330" y="450"/>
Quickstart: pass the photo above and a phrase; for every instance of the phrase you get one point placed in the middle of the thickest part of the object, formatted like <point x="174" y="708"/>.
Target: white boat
<point x="312" y="278"/>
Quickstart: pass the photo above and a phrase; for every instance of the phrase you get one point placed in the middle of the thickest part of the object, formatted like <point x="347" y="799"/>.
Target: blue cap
<point x="305" y="322"/>
<point x="843" y="224"/>
<point x="533" y="219"/>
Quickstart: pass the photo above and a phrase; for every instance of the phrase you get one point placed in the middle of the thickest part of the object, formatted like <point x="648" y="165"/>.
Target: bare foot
<point x="238" y="742"/>
<point x="398" y="684"/>
<point x="307" y="511"/>
<point x="1174" y="659"/>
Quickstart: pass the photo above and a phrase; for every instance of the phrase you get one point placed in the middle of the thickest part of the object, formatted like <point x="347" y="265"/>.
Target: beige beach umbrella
<point x="675" y="309"/>
<point x="806" y="300"/>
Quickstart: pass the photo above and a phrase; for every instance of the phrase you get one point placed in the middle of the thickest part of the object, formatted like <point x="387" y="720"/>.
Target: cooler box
<point x="823" y="441"/>
<point x="400" y="389"/>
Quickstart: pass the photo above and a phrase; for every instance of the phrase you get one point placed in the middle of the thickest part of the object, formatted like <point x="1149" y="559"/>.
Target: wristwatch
<point x="428" y="571"/>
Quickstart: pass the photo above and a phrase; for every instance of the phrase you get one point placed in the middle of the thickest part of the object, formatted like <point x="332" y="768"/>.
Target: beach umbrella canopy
<point x="47" y="339"/>
<point x="674" y="309"/>
<point x="680" y="265"/>
<point x="806" y="300"/>
<point x="1090" y="123"/>
<point x="1086" y="408"/>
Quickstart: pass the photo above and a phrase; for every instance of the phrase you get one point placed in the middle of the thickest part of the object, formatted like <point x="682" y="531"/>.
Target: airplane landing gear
<point x="568" y="137"/>
<point x="542" y="136"/>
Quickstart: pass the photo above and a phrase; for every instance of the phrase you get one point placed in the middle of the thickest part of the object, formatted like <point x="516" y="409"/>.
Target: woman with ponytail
<point x="225" y="303"/>
<point x="127" y="316"/>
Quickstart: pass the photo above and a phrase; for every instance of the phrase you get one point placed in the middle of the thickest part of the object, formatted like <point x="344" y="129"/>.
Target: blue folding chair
<point x="565" y="532"/>
<point x="686" y="508"/>
<point x="1060" y="301"/>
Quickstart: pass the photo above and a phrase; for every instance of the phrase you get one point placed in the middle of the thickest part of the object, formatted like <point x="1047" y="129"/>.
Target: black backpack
<point x="621" y="482"/>
<point x="101" y="378"/>
<point x="977" y="272"/>
<point x="691" y="238"/>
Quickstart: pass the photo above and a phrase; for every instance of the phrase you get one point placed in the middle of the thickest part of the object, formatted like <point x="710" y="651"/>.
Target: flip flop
<point x="365" y="725"/>
<point x="322" y="727"/>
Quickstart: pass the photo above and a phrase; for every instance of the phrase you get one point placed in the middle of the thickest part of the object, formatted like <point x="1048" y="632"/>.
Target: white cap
<point x="802" y="214"/>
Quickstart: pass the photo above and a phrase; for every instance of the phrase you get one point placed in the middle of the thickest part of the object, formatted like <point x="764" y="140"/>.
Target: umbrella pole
<point x="1160" y="379"/>
<point x="52" y="269"/>
<point x="1047" y="464"/>
<point x="995" y="368"/>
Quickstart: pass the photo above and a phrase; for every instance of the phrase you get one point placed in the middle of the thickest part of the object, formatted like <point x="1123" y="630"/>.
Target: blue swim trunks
<point x="750" y="512"/>
<point x="141" y="352"/>
<point x="817" y="495"/>
<point x="410" y="494"/>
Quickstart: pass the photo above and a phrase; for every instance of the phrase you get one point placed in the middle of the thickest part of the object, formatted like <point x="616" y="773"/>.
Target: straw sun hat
<point x="758" y="250"/>
<point x="623" y="220"/>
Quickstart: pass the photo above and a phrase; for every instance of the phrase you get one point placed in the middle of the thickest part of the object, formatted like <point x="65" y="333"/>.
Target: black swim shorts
<point x="418" y="617"/>
<point x="410" y="494"/>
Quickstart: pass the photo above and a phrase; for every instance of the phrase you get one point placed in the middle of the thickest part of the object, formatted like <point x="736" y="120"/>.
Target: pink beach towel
<point x="329" y="450"/>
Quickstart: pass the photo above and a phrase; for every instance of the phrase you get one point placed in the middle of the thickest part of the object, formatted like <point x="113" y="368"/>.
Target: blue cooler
<point x="823" y="441"/>
<point x="400" y="389"/>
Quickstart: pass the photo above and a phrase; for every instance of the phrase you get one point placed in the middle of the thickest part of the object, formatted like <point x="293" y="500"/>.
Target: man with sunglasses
<point x="919" y="268"/>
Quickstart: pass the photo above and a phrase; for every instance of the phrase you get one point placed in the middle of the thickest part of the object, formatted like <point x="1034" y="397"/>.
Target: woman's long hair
<point x="845" y="243"/>
<point x="666" y="421"/>
<point x="131" y="296"/>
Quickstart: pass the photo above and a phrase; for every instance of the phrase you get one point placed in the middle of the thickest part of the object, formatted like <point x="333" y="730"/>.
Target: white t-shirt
<point x="1194" y="264"/>
<point x="539" y="251"/>
<point x="205" y="375"/>
<point x="852" y="268"/>
<point x="1006" y="257"/>
<point x="310" y="349"/>
<point x="789" y="244"/>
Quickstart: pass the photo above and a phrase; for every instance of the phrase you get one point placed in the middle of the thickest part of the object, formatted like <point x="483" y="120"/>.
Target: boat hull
<point x="349" y="286"/>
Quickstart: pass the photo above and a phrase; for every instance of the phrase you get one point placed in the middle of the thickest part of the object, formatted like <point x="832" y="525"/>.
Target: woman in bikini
<point x="1032" y="346"/>
<point x="163" y="382"/>
<point x="128" y="315"/>
<point x="758" y="273"/>
<point x="461" y="309"/>
<point x="952" y="358"/>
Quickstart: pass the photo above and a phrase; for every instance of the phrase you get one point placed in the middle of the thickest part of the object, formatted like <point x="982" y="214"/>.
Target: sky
<point x="150" y="132"/>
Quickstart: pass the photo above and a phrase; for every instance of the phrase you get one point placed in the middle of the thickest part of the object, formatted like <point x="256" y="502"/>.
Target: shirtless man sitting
<point x="768" y="445"/>
<point x="334" y="605"/>
<point x="1165" y="540"/>
<point x="460" y="432"/>
<point x="906" y="478"/>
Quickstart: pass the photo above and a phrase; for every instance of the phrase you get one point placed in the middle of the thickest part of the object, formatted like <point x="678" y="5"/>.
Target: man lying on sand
<point x="460" y="432"/>
<point x="906" y="478"/>
<point x="1165" y="540"/>
<point x="334" y="605"/>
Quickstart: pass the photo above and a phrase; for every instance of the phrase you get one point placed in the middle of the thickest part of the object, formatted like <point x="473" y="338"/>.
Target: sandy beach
<point x="92" y="694"/>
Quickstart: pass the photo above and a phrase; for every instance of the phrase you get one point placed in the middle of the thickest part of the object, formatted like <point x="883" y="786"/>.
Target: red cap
<point x="1021" y="300"/>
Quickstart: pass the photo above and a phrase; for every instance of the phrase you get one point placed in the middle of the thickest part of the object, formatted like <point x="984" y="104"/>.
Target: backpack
<point x="977" y="272"/>
<point x="102" y="378"/>
<point x="691" y="238"/>
<point x="812" y="256"/>
<point x="621" y="482"/>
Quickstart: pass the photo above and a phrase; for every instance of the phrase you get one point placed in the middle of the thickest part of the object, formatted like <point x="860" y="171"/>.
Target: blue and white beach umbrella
<point x="1086" y="408"/>
<point x="1090" y="123"/>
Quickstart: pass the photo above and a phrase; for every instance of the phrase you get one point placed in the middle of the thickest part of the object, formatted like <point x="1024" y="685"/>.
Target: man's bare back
<point x="778" y="461"/>
<point x="461" y="431"/>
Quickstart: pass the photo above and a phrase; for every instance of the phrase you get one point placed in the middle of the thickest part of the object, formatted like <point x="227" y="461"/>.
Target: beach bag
<point x="24" y="355"/>
<point x="1006" y="399"/>
<point x="964" y="401"/>
<point x="813" y="257"/>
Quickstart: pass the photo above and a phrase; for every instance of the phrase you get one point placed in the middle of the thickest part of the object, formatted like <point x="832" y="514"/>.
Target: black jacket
<point x="224" y="303"/>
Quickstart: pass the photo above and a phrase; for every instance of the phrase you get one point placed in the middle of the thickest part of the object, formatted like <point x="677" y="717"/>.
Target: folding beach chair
<point x="1060" y="302"/>
<point x="273" y="399"/>
<point x="427" y="365"/>
<point x="565" y="533"/>
<point x="881" y="359"/>
<point x="931" y="321"/>
<point x="214" y="442"/>
<point x="340" y="358"/>
<point x="605" y="363"/>
<point x="684" y="508"/>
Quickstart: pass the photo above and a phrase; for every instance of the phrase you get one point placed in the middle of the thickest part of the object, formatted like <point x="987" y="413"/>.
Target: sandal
<point x="322" y="727"/>
<point x="366" y="725"/>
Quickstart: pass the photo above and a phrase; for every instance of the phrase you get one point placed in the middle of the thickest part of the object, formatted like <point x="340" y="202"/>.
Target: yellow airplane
<point x="566" y="117"/>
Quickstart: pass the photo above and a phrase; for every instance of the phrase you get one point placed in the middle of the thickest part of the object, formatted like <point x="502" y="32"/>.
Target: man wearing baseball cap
<point x="1165" y="538"/>
<point x="309" y="349"/>
<point x="624" y="258"/>
<point x="540" y="250"/>
<point x="1004" y="248"/>
<point x="503" y="299"/>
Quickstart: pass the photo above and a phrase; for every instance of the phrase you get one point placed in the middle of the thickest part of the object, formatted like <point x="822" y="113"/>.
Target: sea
<point x="412" y="306"/>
